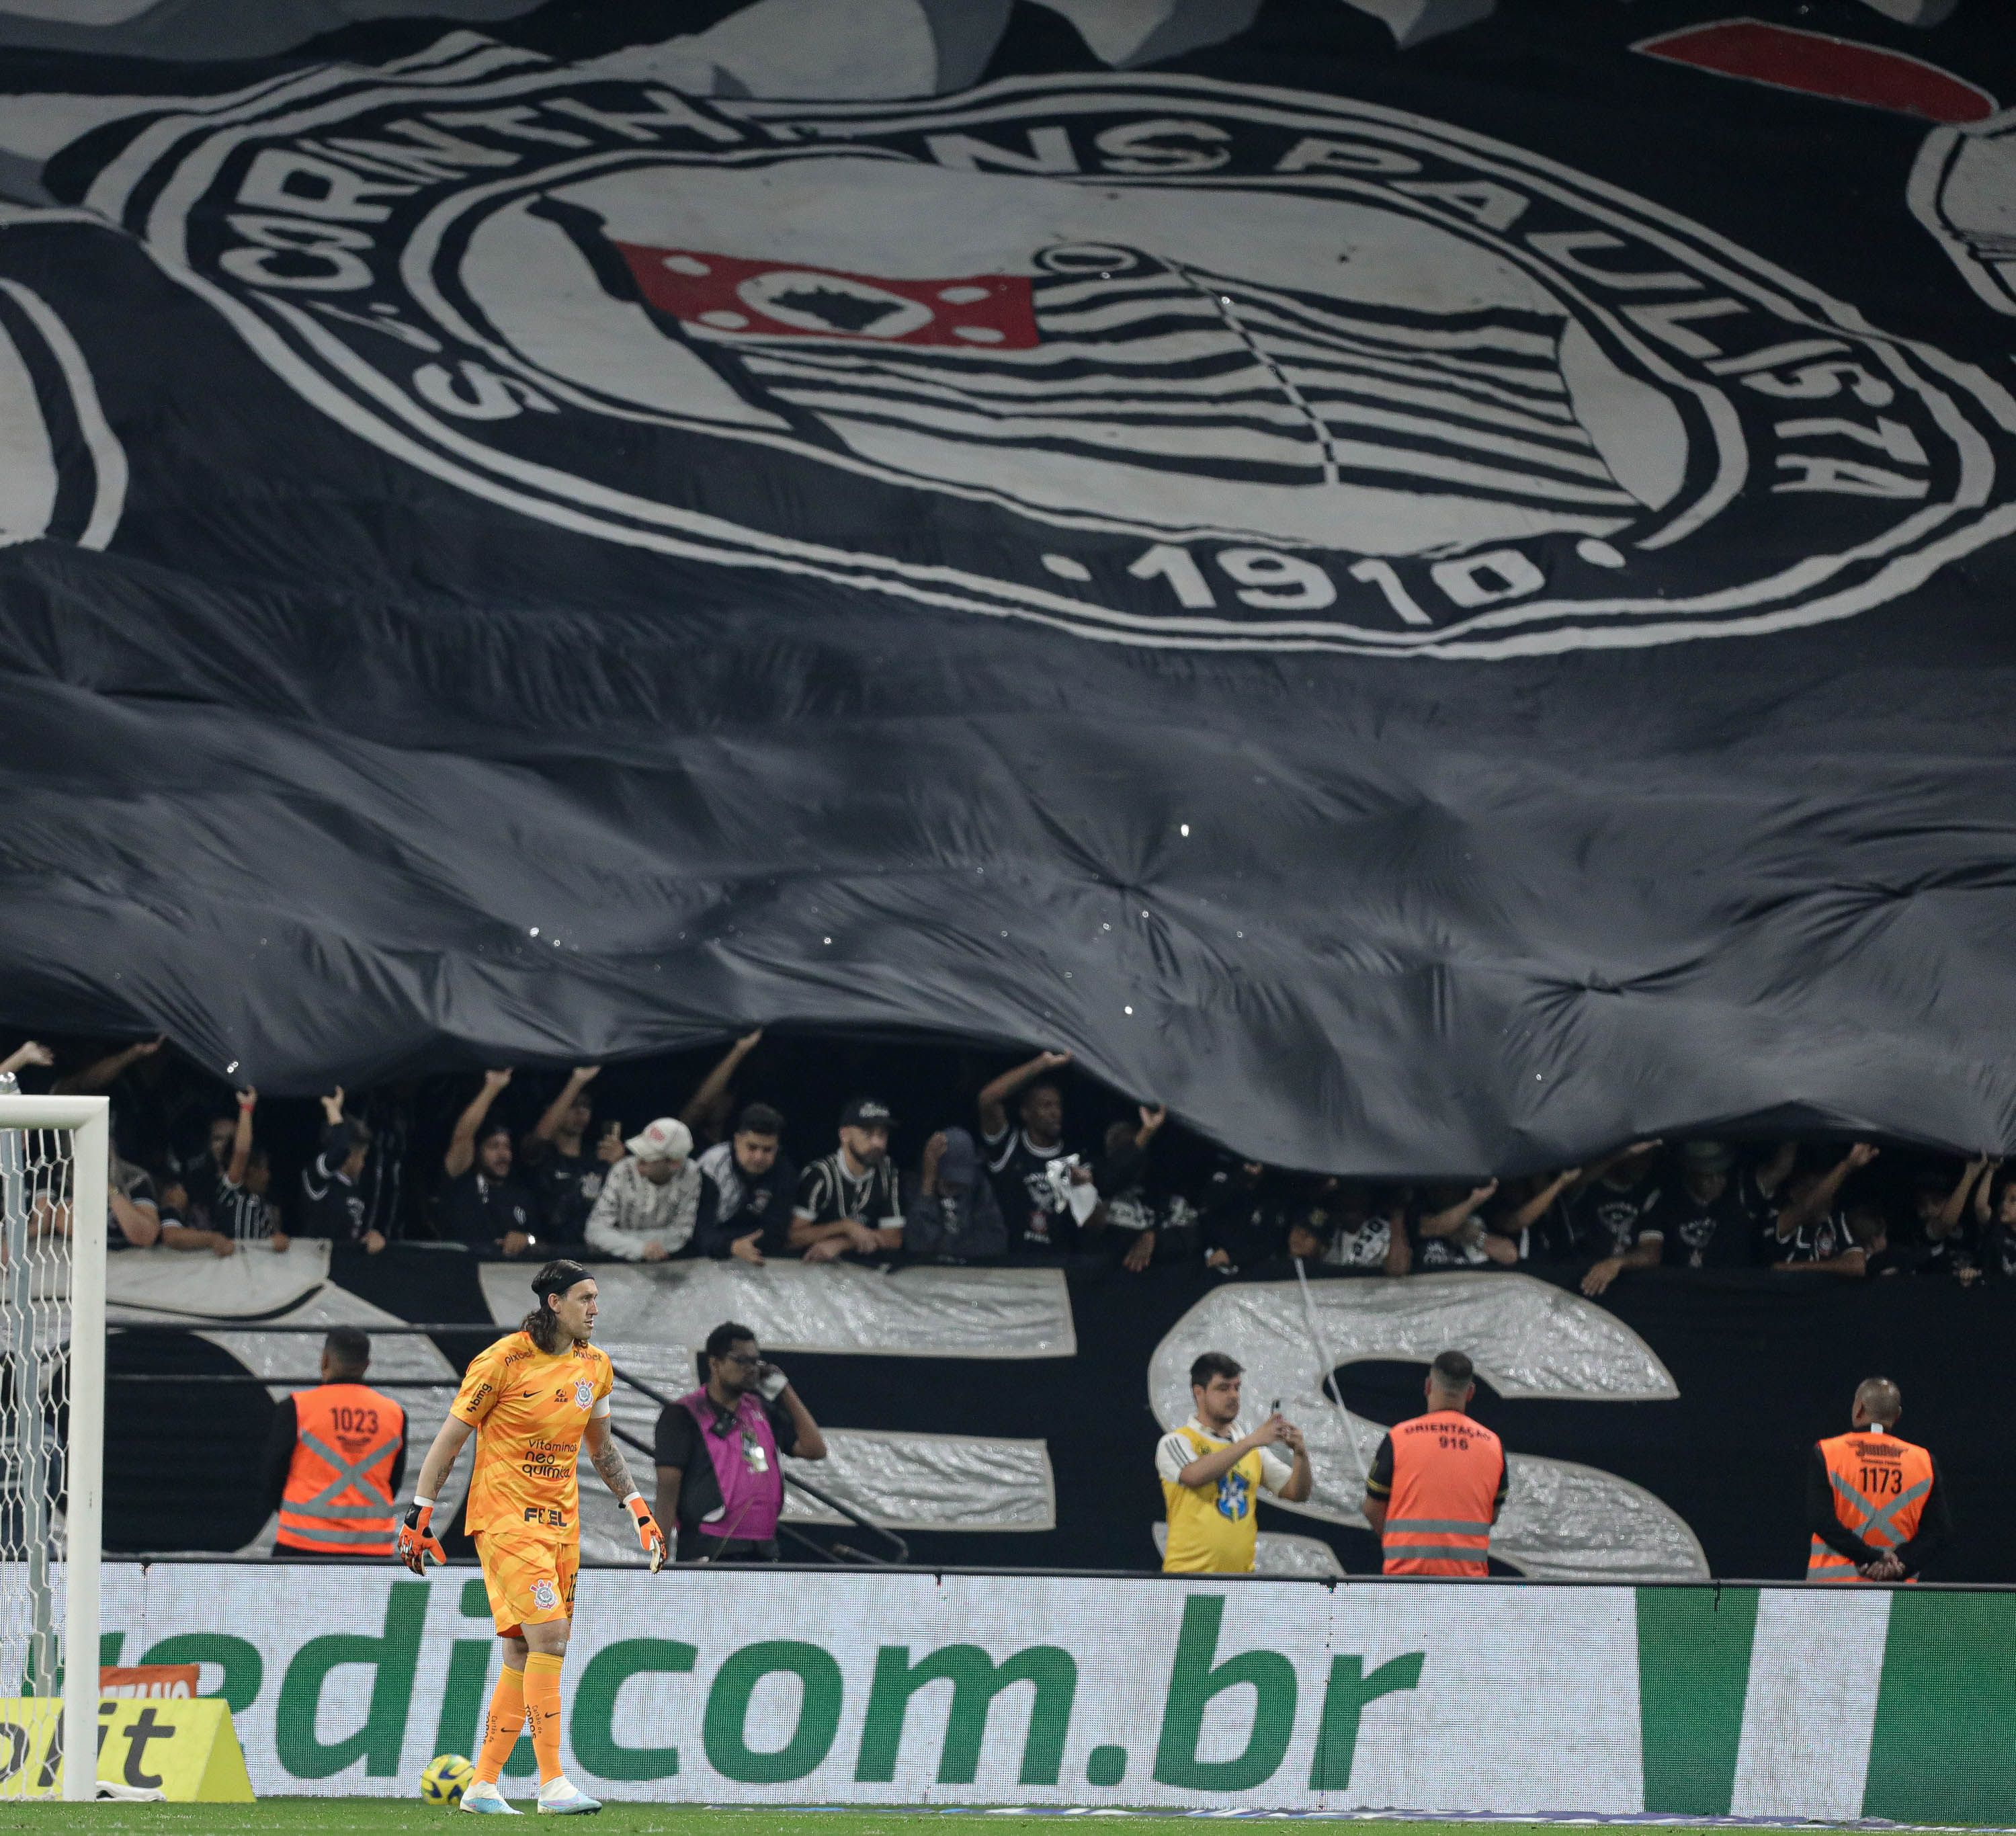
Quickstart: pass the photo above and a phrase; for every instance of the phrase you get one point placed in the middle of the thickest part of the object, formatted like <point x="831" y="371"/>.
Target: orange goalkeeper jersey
<point x="529" y="1409"/>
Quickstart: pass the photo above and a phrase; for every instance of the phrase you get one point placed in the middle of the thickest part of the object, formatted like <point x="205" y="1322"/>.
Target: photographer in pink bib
<point x="718" y="1451"/>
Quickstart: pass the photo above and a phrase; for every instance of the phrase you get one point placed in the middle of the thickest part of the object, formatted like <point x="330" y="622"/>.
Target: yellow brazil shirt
<point x="530" y="1408"/>
<point x="1212" y="1529"/>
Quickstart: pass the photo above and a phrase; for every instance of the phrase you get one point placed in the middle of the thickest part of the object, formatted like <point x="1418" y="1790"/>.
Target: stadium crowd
<point x="529" y="1169"/>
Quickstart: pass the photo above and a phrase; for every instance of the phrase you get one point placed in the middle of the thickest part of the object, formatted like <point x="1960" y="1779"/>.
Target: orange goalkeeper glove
<point x="417" y="1541"/>
<point x="650" y="1537"/>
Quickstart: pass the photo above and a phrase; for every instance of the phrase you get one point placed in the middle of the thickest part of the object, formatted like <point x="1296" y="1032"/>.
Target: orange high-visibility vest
<point x="1446" y="1469"/>
<point x="1880" y="1486"/>
<point x="339" y="1496"/>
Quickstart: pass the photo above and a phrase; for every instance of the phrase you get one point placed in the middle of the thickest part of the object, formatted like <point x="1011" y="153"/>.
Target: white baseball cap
<point x="667" y="1139"/>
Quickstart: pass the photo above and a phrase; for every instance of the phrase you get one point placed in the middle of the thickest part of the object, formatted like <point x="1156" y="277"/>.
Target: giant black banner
<point x="1428" y="585"/>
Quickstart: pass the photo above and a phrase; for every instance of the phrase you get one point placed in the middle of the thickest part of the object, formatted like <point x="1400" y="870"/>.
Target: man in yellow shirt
<point x="1211" y="1481"/>
<point x="531" y="1400"/>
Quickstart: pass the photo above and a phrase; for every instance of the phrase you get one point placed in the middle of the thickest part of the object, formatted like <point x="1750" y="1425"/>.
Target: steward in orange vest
<point x="1876" y="1505"/>
<point x="335" y="1461"/>
<point x="1438" y="1482"/>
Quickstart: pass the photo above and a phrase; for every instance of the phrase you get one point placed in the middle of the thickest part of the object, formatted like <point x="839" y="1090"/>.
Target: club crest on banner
<point x="1963" y="191"/>
<point x="64" y="477"/>
<point x="1160" y="360"/>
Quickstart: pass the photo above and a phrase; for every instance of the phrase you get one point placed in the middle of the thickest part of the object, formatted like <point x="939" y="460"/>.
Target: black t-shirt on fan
<point x="1609" y="1220"/>
<point x="565" y="1188"/>
<point x="828" y="1191"/>
<point x="481" y="1211"/>
<point x="1037" y="1216"/>
<point x="1720" y="1232"/>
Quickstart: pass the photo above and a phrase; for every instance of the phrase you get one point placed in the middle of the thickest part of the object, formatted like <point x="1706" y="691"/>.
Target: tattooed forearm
<point x="614" y="1470"/>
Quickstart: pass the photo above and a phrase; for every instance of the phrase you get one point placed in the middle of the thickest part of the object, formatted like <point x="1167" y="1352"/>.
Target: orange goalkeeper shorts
<point x="529" y="1581"/>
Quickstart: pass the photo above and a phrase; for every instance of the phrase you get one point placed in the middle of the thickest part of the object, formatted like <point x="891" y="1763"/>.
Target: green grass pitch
<point x="380" y="1816"/>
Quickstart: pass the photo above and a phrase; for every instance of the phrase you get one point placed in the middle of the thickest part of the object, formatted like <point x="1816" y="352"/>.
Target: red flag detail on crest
<point x="1787" y="58"/>
<point x="733" y="297"/>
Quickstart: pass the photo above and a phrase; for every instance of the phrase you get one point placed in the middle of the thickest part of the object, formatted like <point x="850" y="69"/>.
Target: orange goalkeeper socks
<point x="542" y="1709"/>
<point x="503" y="1724"/>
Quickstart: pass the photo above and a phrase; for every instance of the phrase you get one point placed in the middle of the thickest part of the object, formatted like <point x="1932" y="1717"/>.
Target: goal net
<point x="54" y="1154"/>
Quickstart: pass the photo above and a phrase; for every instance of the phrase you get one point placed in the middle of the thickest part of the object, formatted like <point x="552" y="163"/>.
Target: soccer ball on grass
<point x="448" y="1775"/>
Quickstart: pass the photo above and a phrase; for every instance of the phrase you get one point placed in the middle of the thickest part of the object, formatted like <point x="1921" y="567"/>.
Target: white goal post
<point x="55" y="1153"/>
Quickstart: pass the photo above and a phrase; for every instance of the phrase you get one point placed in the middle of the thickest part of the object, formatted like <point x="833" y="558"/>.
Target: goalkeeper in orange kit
<point x="531" y="1400"/>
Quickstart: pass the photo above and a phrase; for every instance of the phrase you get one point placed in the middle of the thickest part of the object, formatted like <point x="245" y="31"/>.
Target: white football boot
<point x="561" y="1799"/>
<point x="484" y="1798"/>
